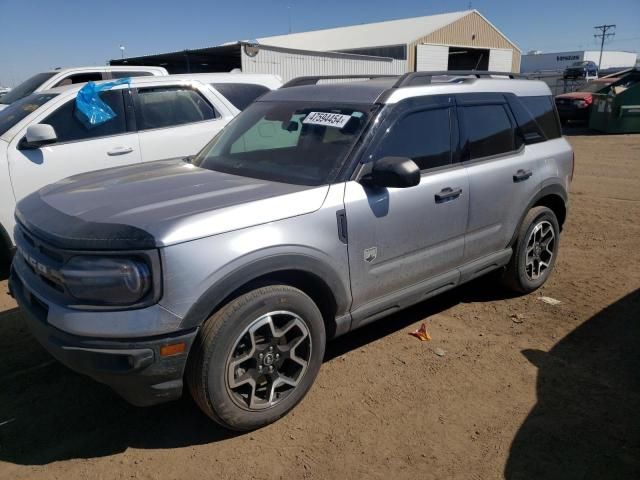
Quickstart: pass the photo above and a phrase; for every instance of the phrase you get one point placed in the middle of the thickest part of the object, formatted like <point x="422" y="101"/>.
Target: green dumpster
<point x="618" y="110"/>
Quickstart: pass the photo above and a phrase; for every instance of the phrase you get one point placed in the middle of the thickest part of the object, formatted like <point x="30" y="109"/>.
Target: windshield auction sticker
<point x="335" y="120"/>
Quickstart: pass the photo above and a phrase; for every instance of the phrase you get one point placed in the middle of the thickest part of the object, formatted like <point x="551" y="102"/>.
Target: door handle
<point x="522" y="175"/>
<point x="119" y="151"/>
<point x="448" y="194"/>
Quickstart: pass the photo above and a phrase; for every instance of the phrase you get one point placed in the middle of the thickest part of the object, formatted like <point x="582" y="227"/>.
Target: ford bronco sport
<point x="322" y="207"/>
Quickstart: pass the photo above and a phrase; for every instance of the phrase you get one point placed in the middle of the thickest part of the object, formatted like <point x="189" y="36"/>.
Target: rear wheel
<point x="535" y="252"/>
<point x="257" y="357"/>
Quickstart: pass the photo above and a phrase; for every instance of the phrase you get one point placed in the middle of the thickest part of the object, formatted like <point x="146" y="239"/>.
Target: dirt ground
<point x="552" y="395"/>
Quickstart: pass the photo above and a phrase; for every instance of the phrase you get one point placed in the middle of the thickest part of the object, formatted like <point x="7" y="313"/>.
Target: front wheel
<point x="257" y="357"/>
<point x="535" y="251"/>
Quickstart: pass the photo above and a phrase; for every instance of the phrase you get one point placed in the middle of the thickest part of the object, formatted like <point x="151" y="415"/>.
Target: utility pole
<point x="604" y="29"/>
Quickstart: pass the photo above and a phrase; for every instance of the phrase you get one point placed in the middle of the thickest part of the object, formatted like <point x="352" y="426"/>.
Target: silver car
<point x="319" y="209"/>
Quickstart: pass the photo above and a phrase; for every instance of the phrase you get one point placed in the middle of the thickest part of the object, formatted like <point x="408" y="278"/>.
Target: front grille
<point x="41" y="259"/>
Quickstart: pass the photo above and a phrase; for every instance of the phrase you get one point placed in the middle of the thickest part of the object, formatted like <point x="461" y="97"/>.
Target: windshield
<point x="579" y="64"/>
<point x="20" y="109"/>
<point x="290" y="142"/>
<point x="26" y="88"/>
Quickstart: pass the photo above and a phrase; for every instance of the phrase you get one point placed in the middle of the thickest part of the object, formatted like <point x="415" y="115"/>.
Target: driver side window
<point x="423" y="136"/>
<point x="70" y="129"/>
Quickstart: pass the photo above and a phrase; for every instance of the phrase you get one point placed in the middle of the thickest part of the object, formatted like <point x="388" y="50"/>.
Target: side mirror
<point x="393" y="172"/>
<point x="39" y="135"/>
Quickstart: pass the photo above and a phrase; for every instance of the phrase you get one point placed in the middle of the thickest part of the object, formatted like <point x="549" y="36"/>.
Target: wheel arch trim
<point x="216" y="295"/>
<point x="550" y="190"/>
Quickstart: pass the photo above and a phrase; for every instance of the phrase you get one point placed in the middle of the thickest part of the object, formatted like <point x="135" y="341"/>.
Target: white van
<point x="42" y="140"/>
<point x="71" y="76"/>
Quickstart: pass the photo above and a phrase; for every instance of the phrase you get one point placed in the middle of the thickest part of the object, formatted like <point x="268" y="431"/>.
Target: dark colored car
<point x="582" y="69"/>
<point x="576" y="106"/>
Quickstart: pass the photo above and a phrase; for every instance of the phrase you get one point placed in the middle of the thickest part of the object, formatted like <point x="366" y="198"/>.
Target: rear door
<point x="504" y="174"/>
<point x="80" y="148"/>
<point x="401" y="237"/>
<point x="176" y="121"/>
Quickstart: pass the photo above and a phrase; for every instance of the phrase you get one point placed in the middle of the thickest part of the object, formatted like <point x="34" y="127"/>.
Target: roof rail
<point x="314" y="79"/>
<point x="424" y="78"/>
<point x="405" y="80"/>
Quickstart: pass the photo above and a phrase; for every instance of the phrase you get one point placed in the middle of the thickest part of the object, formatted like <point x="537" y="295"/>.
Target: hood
<point x="158" y="204"/>
<point x="575" y="95"/>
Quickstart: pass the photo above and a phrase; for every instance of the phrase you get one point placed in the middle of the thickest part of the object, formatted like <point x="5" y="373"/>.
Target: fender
<point x="553" y="189"/>
<point x="220" y="290"/>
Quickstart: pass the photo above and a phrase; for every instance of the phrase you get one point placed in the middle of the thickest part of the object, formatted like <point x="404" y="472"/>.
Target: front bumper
<point x="134" y="368"/>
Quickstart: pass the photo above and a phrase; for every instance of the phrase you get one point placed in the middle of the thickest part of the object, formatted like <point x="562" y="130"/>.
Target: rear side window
<point x="171" y="106"/>
<point x="241" y="95"/>
<point x="487" y="130"/>
<point x="69" y="129"/>
<point x="424" y="137"/>
<point x="542" y="109"/>
<point x="80" y="78"/>
<point x="121" y="74"/>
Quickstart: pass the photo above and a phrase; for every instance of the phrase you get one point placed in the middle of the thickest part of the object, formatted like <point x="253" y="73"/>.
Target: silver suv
<point x="321" y="208"/>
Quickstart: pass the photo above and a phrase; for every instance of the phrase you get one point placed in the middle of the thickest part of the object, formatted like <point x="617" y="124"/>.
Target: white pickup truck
<point x="42" y="140"/>
<point x="71" y="76"/>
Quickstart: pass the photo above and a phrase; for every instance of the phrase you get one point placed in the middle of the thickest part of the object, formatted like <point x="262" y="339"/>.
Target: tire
<point x="526" y="271"/>
<point x="226" y="353"/>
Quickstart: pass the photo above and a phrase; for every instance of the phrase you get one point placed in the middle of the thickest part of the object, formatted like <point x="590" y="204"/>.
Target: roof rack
<point x="314" y="79"/>
<point x="405" y="80"/>
<point x="424" y="78"/>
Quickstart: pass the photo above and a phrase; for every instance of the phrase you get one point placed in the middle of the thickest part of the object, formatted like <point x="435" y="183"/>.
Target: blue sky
<point x="40" y="34"/>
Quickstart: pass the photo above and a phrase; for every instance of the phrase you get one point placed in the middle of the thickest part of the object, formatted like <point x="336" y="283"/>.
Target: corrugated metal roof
<point x="392" y="32"/>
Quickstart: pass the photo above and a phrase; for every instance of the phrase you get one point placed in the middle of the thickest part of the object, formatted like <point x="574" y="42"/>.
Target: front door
<point x="401" y="238"/>
<point x="80" y="147"/>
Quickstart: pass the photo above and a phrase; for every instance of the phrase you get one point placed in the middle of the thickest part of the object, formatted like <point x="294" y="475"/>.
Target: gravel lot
<point x="525" y="390"/>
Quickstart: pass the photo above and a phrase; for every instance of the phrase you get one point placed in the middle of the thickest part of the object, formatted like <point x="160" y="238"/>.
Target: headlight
<point x="109" y="281"/>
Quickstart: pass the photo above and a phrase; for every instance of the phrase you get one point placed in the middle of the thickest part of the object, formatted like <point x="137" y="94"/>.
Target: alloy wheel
<point x="268" y="360"/>
<point x="539" y="250"/>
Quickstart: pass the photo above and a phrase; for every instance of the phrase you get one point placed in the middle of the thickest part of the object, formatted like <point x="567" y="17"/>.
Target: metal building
<point x="450" y="41"/>
<point x="288" y="63"/>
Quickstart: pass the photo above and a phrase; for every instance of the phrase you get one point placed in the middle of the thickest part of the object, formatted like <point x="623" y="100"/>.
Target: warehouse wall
<point x="290" y="64"/>
<point x="612" y="59"/>
<point x="558" y="61"/>
<point x="460" y="33"/>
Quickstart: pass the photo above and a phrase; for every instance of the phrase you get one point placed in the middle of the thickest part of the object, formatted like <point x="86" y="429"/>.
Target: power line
<point x="604" y="33"/>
